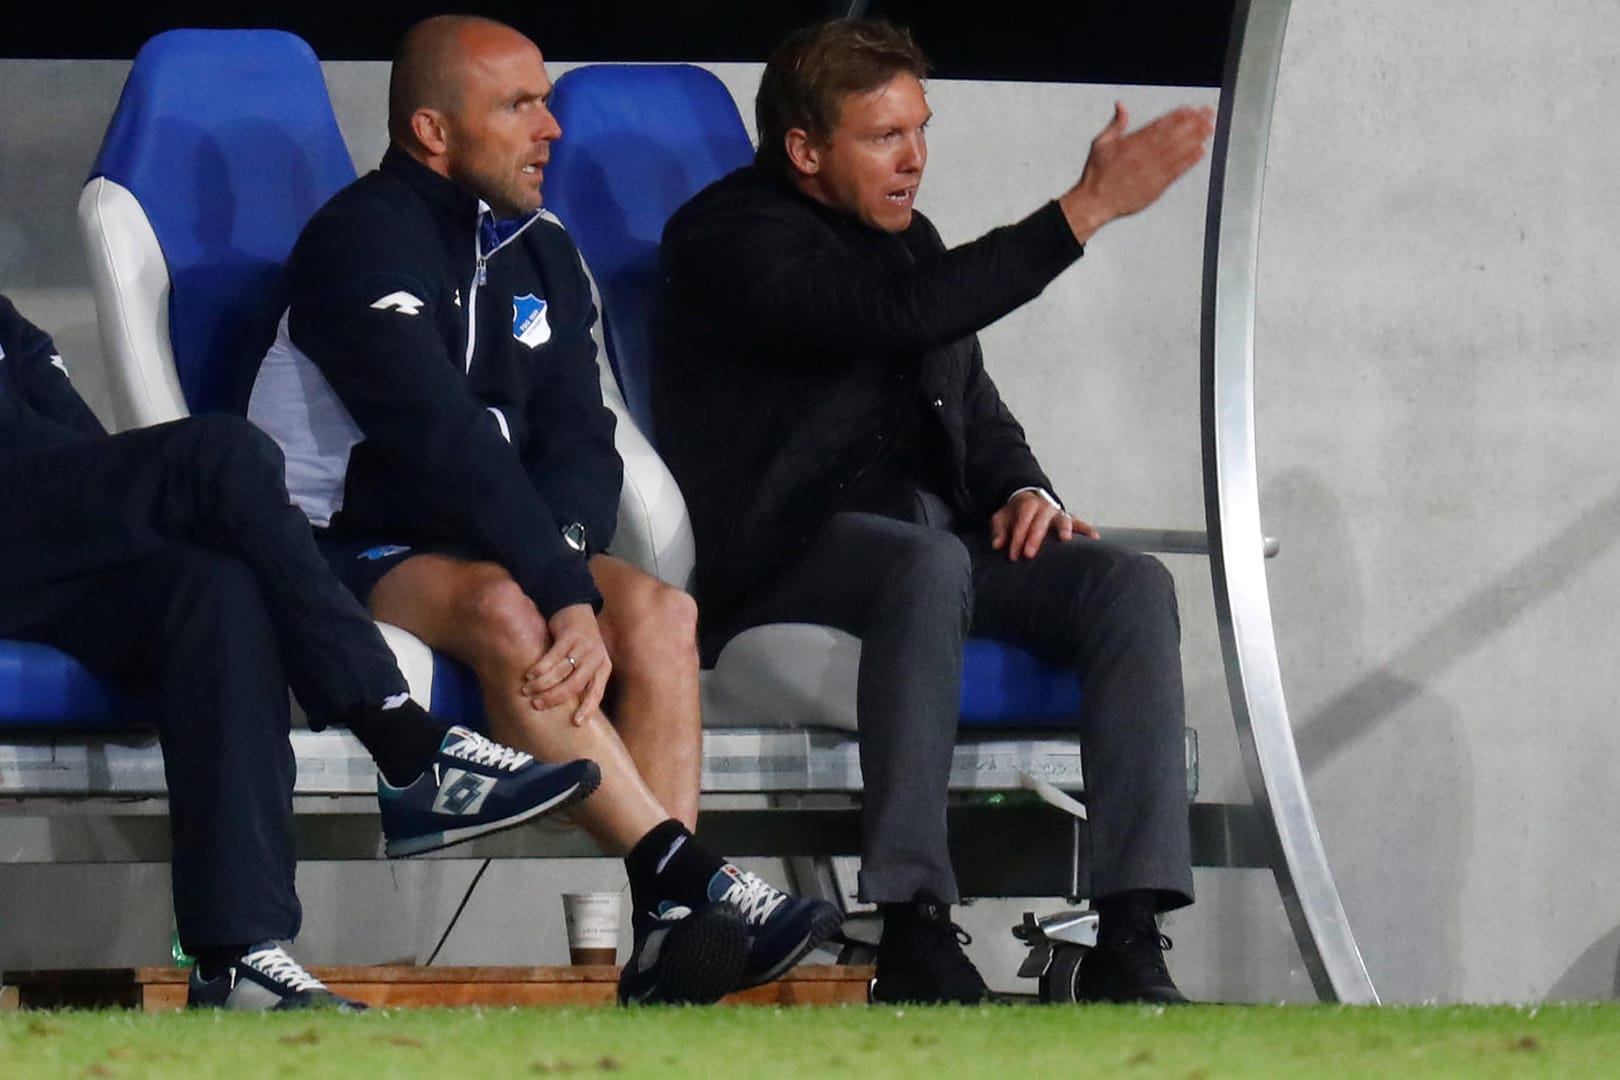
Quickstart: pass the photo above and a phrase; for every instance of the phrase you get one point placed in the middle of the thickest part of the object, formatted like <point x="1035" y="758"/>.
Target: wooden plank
<point x="164" y="988"/>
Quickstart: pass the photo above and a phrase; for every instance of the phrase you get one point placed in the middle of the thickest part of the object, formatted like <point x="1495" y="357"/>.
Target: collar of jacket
<point x="454" y="202"/>
<point x="768" y="176"/>
<point x="440" y="192"/>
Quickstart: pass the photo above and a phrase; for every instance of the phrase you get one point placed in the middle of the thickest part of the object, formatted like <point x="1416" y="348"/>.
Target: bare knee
<point x="654" y="630"/>
<point x="504" y="630"/>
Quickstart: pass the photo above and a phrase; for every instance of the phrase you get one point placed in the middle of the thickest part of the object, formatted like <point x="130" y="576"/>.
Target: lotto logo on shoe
<point x="462" y="793"/>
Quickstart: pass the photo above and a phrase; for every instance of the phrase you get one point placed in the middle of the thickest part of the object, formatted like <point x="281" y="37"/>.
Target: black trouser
<point x="913" y="593"/>
<point x="169" y="561"/>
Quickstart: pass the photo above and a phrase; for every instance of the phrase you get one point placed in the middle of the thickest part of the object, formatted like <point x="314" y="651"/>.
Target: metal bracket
<point x="1073" y="928"/>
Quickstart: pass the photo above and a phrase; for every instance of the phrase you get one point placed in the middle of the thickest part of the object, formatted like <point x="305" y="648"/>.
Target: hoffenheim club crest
<point x="529" y="323"/>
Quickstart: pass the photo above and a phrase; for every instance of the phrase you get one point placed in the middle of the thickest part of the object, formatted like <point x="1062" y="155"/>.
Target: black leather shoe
<point x="920" y="959"/>
<point x="1128" y="967"/>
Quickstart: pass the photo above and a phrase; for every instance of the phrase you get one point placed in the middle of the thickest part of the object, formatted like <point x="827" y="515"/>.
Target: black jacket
<point x="38" y="406"/>
<point x="494" y="445"/>
<point x="791" y="337"/>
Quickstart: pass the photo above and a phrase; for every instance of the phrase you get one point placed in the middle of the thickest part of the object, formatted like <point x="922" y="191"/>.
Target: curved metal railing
<point x="1232" y="509"/>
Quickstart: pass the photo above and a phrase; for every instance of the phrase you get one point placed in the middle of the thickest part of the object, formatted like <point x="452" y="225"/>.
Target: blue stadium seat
<point x="42" y="687"/>
<point x="637" y="142"/>
<point x="223" y="145"/>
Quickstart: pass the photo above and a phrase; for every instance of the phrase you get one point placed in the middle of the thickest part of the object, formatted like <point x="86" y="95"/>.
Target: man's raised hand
<point x="1128" y="170"/>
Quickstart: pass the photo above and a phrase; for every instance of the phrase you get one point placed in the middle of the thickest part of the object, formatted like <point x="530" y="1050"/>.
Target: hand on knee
<point x="554" y="702"/>
<point x="574" y="665"/>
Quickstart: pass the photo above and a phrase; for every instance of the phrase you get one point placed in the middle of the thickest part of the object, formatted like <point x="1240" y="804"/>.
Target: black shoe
<point x="1128" y="967"/>
<point x="920" y="959"/>
<point x="681" y="956"/>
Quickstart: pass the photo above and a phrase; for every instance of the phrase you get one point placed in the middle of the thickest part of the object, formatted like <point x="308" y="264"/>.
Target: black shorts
<point x="361" y="562"/>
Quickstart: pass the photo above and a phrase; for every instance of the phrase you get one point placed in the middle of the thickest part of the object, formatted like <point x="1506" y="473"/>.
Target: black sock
<point x="212" y="962"/>
<point x="900" y="918"/>
<point x="402" y="740"/>
<point x="1126" y="914"/>
<point x="669" y="864"/>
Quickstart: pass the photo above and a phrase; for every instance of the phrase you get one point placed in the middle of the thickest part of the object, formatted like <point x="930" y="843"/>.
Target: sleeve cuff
<point x="1042" y="492"/>
<point x="1050" y="242"/>
<point x="566" y="582"/>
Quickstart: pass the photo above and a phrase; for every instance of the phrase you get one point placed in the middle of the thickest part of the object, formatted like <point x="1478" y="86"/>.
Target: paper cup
<point x="592" y="920"/>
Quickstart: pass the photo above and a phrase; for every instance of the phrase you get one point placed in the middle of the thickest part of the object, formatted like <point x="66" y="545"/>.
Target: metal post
<point x="1232" y="509"/>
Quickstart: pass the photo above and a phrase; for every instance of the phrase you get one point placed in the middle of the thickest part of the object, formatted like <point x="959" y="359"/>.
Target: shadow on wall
<point x="1345" y="719"/>
<point x="1595" y="975"/>
<point x="1400" y="884"/>
<point x="1399" y="918"/>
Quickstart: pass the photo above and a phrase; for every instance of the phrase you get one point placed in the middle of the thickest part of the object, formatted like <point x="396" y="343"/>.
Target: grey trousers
<point x="913" y="592"/>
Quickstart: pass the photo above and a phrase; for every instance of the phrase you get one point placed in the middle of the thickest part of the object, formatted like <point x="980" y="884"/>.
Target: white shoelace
<point x="474" y="747"/>
<point x="278" y="966"/>
<point x="756" y="898"/>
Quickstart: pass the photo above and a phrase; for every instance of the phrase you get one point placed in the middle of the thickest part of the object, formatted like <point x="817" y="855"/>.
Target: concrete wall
<point x="1436" y="368"/>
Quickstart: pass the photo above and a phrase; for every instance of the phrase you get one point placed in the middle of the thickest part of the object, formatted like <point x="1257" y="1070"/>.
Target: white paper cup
<point x="592" y="920"/>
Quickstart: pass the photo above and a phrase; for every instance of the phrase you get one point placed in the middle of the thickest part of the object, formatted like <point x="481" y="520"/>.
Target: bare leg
<point x="475" y="612"/>
<point x="650" y="629"/>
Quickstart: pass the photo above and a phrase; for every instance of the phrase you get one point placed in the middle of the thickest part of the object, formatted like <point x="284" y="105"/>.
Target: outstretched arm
<point x="792" y="284"/>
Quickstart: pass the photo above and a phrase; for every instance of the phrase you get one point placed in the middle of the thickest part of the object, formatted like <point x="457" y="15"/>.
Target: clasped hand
<point x="575" y="664"/>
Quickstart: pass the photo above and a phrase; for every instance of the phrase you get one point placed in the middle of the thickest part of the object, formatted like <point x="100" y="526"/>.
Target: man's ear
<point x="429" y="128"/>
<point x="801" y="151"/>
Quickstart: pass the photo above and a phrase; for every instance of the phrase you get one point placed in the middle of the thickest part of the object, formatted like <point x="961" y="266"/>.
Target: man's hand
<point x="1128" y="171"/>
<point x="1025" y="522"/>
<point x="575" y="665"/>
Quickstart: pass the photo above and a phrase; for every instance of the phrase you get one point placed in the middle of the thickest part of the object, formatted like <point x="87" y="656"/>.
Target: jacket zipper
<point x="481" y="277"/>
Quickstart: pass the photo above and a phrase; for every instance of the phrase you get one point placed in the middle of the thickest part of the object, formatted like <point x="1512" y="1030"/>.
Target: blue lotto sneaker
<point x="782" y="927"/>
<point x="475" y="787"/>
<point x="262" y="979"/>
<point x="686" y="957"/>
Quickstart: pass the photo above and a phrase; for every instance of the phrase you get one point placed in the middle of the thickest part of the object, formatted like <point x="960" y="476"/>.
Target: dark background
<point x="1163" y="42"/>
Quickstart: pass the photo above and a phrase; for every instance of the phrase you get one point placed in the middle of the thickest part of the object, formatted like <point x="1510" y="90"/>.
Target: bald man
<point x="435" y="389"/>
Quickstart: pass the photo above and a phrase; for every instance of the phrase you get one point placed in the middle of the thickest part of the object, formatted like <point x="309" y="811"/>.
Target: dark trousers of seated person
<point x="913" y="592"/>
<point x="168" y="561"/>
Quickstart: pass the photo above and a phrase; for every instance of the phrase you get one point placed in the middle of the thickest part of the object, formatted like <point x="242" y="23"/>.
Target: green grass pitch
<point x="1197" y="1043"/>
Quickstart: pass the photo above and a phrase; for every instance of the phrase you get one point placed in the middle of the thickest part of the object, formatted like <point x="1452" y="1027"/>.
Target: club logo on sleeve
<point x="529" y="323"/>
<point x="401" y="301"/>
